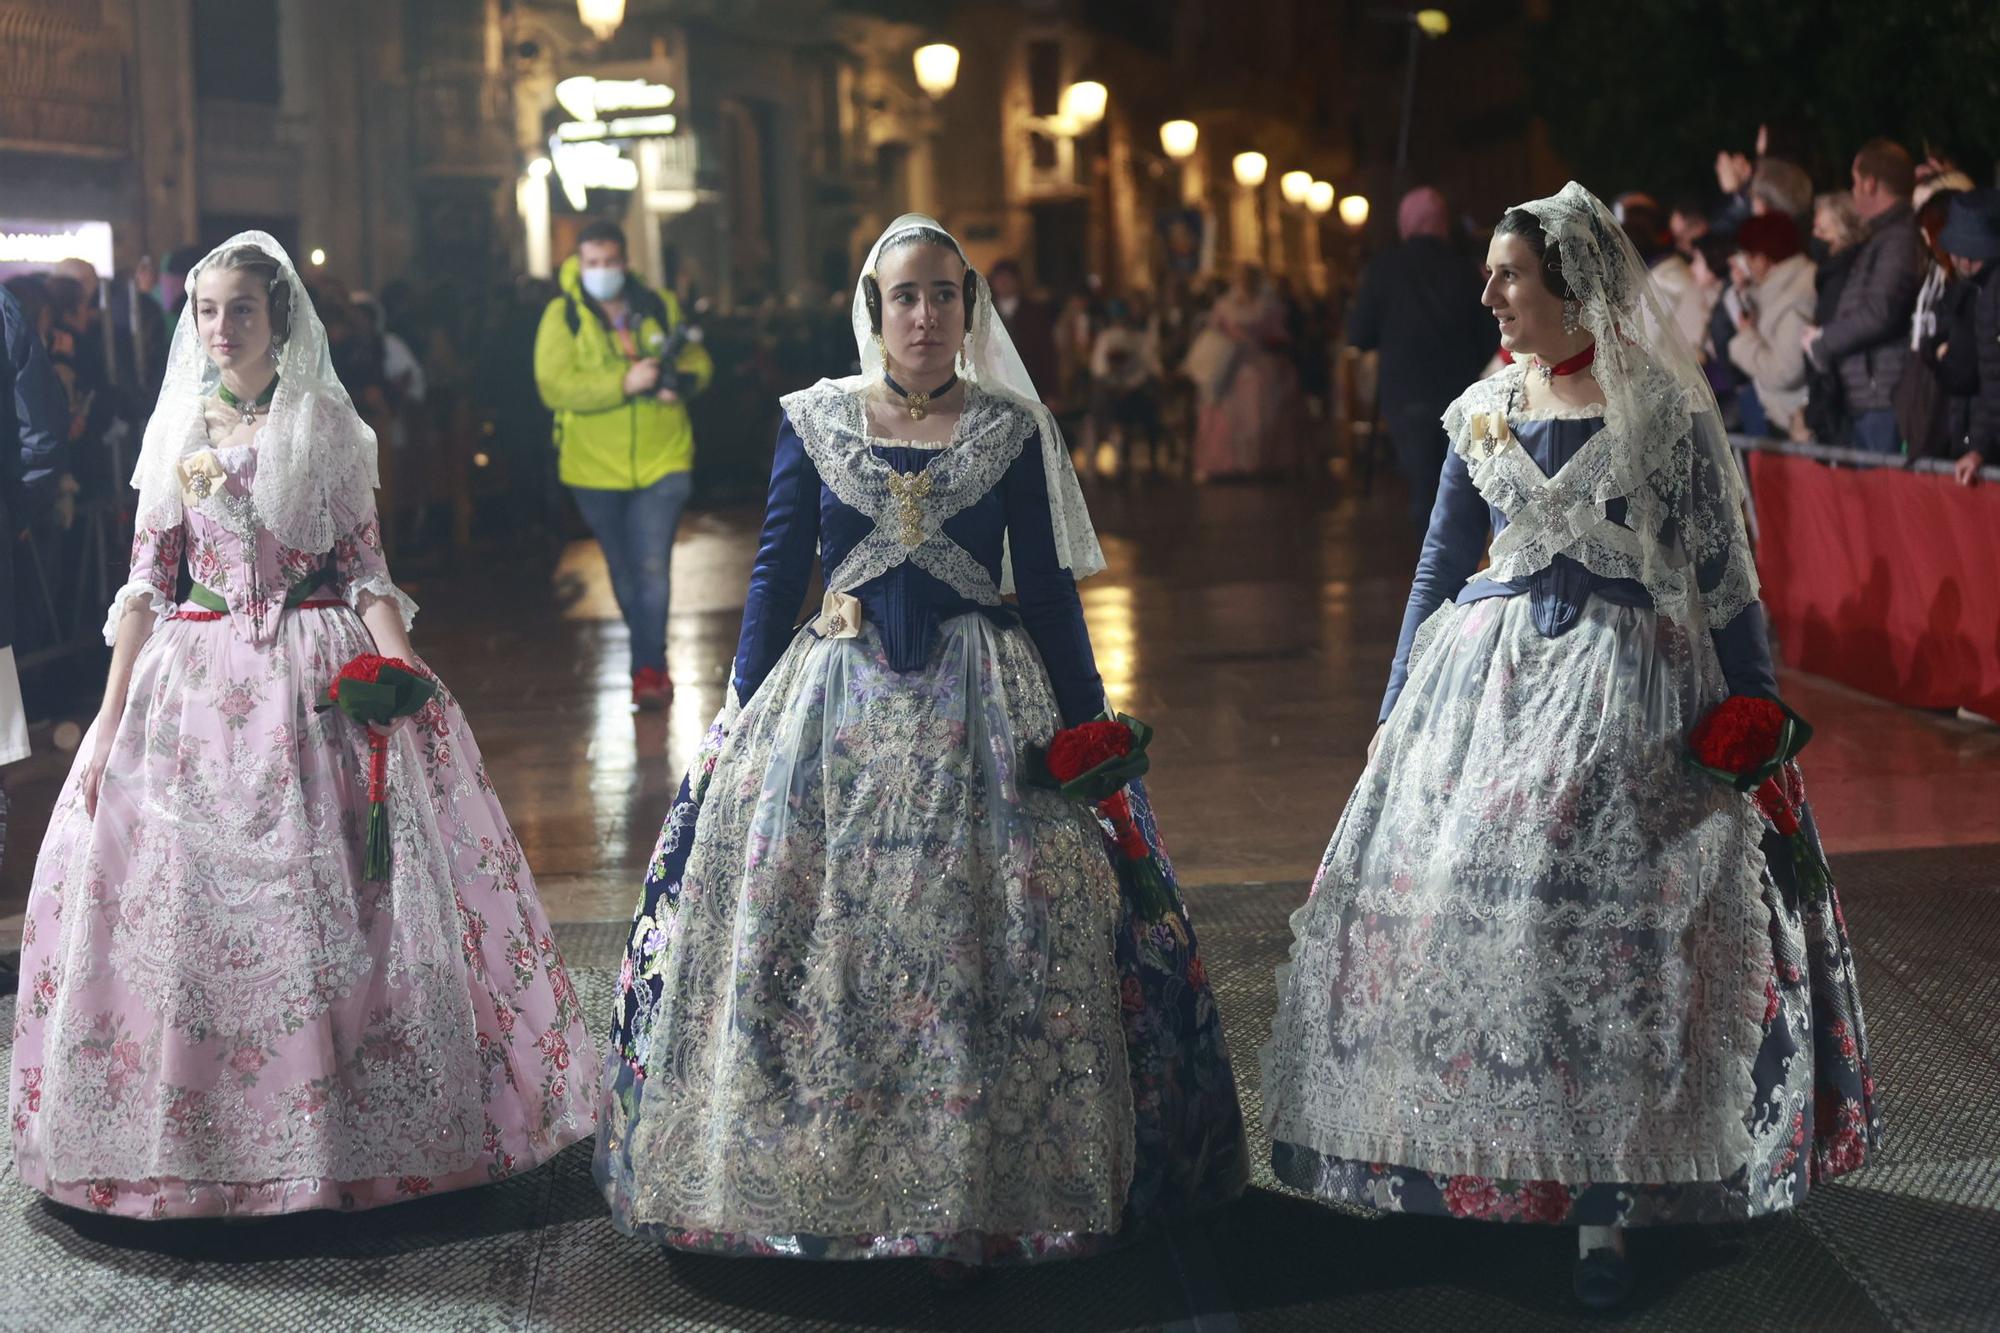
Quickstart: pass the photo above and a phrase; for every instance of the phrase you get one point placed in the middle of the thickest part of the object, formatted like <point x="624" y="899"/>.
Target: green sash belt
<point x="300" y="592"/>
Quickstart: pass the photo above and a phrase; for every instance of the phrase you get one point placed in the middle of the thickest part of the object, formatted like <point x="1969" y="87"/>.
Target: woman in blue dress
<point x="883" y="998"/>
<point x="1549" y="972"/>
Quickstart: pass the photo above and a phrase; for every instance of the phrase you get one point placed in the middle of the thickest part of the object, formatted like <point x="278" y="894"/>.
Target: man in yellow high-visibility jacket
<point x="615" y="361"/>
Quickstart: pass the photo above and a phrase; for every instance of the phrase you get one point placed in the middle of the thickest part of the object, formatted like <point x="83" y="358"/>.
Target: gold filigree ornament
<point x="909" y="492"/>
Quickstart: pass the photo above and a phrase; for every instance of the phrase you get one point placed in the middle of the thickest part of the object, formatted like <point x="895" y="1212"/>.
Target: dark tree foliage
<point x="1641" y="93"/>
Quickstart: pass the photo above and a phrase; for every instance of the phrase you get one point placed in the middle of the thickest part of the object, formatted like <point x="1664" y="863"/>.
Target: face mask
<point x="604" y="284"/>
<point x="1818" y="251"/>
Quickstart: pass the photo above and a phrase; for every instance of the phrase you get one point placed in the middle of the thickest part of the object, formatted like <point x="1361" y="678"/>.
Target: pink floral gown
<point x="218" y="1015"/>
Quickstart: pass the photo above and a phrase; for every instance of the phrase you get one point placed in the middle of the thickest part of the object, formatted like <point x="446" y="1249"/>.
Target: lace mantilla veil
<point x="315" y="455"/>
<point x="990" y="362"/>
<point x="1662" y="450"/>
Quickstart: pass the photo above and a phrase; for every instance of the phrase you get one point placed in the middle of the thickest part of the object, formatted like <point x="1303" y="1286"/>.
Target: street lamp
<point x="1319" y="197"/>
<point x="937" y="68"/>
<point x="1082" y="105"/>
<point x="1422" y="23"/>
<point x="1354" y="210"/>
<point x="602" y="17"/>
<point x="1250" y="169"/>
<point x="1296" y="186"/>
<point x="1178" y="138"/>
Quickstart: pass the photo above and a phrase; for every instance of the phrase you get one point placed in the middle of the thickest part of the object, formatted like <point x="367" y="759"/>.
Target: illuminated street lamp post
<point x="1178" y="139"/>
<point x="602" y="17"/>
<point x="1422" y="23"/>
<point x="1080" y="110"/>
<point x="1082" y="106"/>
<point x="937" y="68"/>
<point x="1251" y="170"/>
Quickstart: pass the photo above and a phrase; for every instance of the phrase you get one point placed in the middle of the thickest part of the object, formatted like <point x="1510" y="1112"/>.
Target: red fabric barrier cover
<point x="1886" y="580"/>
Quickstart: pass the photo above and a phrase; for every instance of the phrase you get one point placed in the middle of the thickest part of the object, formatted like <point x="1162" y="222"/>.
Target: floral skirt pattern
<point x="880" y="1000"/>
<point x="1549" y="974"/>
<point x="220" y="1017"/>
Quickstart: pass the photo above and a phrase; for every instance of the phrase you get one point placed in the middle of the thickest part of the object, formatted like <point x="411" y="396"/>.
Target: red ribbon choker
<point x="1575" y="363"/>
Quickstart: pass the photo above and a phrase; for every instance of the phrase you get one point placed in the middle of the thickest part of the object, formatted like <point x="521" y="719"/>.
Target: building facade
<point x="421" y="138"/>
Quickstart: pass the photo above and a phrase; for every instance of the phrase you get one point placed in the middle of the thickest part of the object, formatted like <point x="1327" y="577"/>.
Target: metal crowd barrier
<point x="1828" y="453"/>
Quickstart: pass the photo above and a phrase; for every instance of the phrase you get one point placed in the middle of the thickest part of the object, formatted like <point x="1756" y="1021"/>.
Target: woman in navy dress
<point x="883" y="998"/>
<point x="1548" y="972"/>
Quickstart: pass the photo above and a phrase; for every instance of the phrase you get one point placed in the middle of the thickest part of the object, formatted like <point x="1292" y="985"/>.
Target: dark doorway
<point x="1062" y="246"/>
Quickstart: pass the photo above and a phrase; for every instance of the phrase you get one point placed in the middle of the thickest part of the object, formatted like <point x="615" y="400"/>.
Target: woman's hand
<point x="1375" y="742"/>
<point x="100" y="756"/>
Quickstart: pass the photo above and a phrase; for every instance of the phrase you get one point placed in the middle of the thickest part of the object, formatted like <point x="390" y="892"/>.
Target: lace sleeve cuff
<point x="377" y="587"/>
<point x="136" y="591"/>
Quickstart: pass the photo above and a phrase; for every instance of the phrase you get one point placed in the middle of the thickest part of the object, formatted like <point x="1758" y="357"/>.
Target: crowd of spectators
<point x="1866" y="315"/>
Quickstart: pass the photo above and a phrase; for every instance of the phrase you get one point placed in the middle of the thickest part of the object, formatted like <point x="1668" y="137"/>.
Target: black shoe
<point x="1603" y="1279"/>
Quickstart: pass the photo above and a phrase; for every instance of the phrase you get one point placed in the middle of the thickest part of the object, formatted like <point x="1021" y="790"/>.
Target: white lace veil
<point x="1686" y="539"/>
<point x="314" y="454"/>
<point x="990" y="361"/>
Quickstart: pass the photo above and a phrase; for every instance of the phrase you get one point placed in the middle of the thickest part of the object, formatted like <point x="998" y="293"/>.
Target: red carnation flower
<point x="1740" y="734"/>
<point x="1744" y="739"/>
<point x="1074" y="751"/>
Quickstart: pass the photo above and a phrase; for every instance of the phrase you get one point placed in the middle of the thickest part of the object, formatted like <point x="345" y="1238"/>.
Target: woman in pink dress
<point x="1248" y="387"/>
<point x="219" y="1015"/>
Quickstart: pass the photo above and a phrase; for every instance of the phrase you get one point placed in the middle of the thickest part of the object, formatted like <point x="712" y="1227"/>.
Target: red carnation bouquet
<point x="1092" y="763"/>
<point x="375" y="691"/>
<point x="1749" y="744"/>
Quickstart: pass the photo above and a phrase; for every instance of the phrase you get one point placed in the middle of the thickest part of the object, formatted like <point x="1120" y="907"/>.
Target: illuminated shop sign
<point x="619" y="127"/>
<point x="604" y="113"/>
<point x="37" y="243"/>
<point x="592" y="166"/>
<point x="588" y="98"/>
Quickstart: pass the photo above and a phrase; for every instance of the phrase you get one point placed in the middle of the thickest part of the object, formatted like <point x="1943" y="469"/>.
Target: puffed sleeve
<point x="361" y="570"/>
<point x="1050" y="608"/>
<point x="155" y="572"/>
<point x="784" y="563"/>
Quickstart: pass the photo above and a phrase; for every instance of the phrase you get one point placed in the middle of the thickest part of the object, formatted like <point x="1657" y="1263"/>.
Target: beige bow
<point x="839" y="617"/>
<point x="201" y="475"/>
<point x="1487" y="434"/>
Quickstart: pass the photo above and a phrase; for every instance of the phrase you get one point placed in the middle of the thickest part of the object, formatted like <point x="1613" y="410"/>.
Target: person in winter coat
<point x="1836" y="236"/>
<point x="1419" y="306"/>
<point x="1778" y="306"/>
<point x="1868" y="338"/>
<point x="34" y="424"/>
<point x="616" y="361"/>
<point x="1971" y="236"/>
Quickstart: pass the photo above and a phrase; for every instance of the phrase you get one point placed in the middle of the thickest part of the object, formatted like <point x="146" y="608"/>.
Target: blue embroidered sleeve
<point x="1453" y="545"/>
<point x="1050" y="607"/>
<point x="784" y="563"/>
